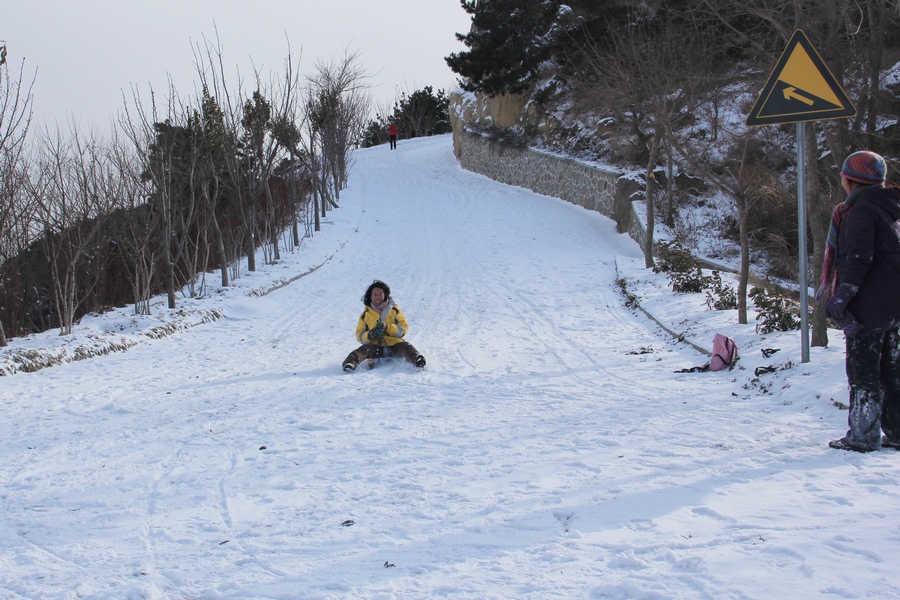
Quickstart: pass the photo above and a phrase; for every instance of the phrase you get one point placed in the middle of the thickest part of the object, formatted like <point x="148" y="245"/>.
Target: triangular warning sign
<point x="800" y="88"/>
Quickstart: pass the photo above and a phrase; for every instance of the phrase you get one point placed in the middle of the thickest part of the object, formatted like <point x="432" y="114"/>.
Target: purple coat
<point x="868" y="257"/>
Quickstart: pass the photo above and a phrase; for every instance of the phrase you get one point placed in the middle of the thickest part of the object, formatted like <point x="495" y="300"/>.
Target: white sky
<point x="88" y="52"/>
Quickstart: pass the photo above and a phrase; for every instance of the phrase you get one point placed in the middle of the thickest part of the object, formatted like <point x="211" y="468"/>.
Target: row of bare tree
<point x="181" y="187"/>
<point x="678" y="81"/>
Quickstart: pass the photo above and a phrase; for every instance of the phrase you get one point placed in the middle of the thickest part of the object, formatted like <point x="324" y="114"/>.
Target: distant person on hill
<point x="861" y="292"/>
<point x="380" y="330"/>
<point x="392" y="134"/>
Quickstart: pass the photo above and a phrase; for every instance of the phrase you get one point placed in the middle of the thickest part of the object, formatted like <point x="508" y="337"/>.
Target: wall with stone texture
<point x="606" y="191"/>
<point x="586" y="185"/>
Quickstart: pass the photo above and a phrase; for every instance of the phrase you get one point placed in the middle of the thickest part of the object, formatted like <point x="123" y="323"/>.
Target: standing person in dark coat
<point x="392" y="135"/>
<point x="861" y="292"/>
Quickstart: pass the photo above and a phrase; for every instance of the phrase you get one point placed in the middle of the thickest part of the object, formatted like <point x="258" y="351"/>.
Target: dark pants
<point x="393" y="142"/>
<point x="873" y="372"/>
<point x="398" y="350"/>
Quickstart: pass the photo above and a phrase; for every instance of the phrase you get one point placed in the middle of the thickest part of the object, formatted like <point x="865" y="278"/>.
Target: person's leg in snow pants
<point x="873" y="372"/>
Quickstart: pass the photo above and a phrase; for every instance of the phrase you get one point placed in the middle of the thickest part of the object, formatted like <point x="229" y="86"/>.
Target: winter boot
<point x="349" y="366"/>
<point x="886" y="443"/>
<point x="420" y="361"/>
<point x="845" y="444"/>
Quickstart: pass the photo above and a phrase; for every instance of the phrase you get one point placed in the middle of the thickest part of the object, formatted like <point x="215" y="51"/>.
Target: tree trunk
<point x="57" y="290"/>
<point x="140" y="285"/>
<point x="276" y="253"/>
<point x="70" y="302"/>
<point x="670" y="186"/>
<point x="295" y="228"/>
<point x="819" y="218"/>
<point x="877" y="24"/>
<point x="315" y="201"/>
<point x="166" y="208"/>
<point x="170" y="269"/>
<point x="170" y="281"/>
<point x="251" y="240"/>
<point x="650" y="189"/>
<point x="744" y="277"/>
<point x="220" y="250"/>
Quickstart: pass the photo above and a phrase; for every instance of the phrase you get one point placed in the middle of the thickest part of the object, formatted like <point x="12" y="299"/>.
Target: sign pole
<point x="801" y="230"/>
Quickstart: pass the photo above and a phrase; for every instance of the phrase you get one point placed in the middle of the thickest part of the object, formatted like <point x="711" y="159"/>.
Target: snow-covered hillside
<point x="548" y="450"/>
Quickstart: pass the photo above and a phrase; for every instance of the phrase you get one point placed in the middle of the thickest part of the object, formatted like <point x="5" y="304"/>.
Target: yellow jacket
<point x="395" y="325"/>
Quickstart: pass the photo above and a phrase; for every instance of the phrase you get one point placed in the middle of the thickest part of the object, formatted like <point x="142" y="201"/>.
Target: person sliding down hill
<point x="380" y="329"/>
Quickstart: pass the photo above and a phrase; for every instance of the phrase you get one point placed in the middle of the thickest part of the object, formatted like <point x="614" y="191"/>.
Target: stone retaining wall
<point x="592" y="187"/>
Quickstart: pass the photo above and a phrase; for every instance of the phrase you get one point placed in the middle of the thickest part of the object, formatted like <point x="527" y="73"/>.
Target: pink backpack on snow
<point x="724" y="353"/>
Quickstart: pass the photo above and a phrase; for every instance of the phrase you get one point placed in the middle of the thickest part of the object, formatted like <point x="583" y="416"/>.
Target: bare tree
<point x="15" y="118"/>
<point x="295" y="171"/>
<point x="212" y="145"/>
<point x="316" y="115"/>
<point x="280" y="140"/>
<point x="134" y="223"/>
<point x="247" y="134"/>
<point x="16" y="225"/>
<point x="154" y="138"/>
<point x="70" y="209"/>
<point x="745" y="176"/>
<point x="243" y="191"/>
<point x="260" y="150"/>
<point x="336" y="110"/>
<point x="638" y="74"/>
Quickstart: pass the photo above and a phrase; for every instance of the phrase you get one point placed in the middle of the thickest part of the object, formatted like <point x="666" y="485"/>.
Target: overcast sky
<point x="88" y="52"/>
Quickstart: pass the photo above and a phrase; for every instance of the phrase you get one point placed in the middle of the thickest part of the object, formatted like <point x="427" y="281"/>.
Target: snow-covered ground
<point x="548" y="450"/>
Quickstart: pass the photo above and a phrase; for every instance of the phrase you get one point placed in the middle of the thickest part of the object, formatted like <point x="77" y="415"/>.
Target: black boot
<point x="845" y="444"/>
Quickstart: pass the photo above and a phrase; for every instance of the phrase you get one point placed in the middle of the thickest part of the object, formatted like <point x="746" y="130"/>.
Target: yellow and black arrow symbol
<point x="800" y="88"/>
<point x="791" y="93"/>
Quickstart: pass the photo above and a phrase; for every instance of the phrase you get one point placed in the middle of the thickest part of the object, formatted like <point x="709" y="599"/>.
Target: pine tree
<point x="507" y="44"/>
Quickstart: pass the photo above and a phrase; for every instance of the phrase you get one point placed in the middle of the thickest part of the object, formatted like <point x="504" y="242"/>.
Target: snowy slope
<point x="548" y="449"/>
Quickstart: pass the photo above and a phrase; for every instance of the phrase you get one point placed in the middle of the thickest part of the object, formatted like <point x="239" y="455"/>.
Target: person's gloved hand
<point x="836" y="307"/>
<point x="377" y="331"/>
<point x="852" y="327"/>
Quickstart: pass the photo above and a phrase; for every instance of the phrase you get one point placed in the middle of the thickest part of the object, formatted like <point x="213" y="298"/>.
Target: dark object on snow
<point x="724" y="355"/>
<point x="762" y="370"/>
<point x="845" y="444"/>
<point x="767" y="352"/>
<point x="348" y="523"/>
<point x="700" y="369"/>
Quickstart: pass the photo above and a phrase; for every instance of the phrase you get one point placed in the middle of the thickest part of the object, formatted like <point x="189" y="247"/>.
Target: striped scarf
<point x="382" y="309"/>
<point x="829" y="273"/>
